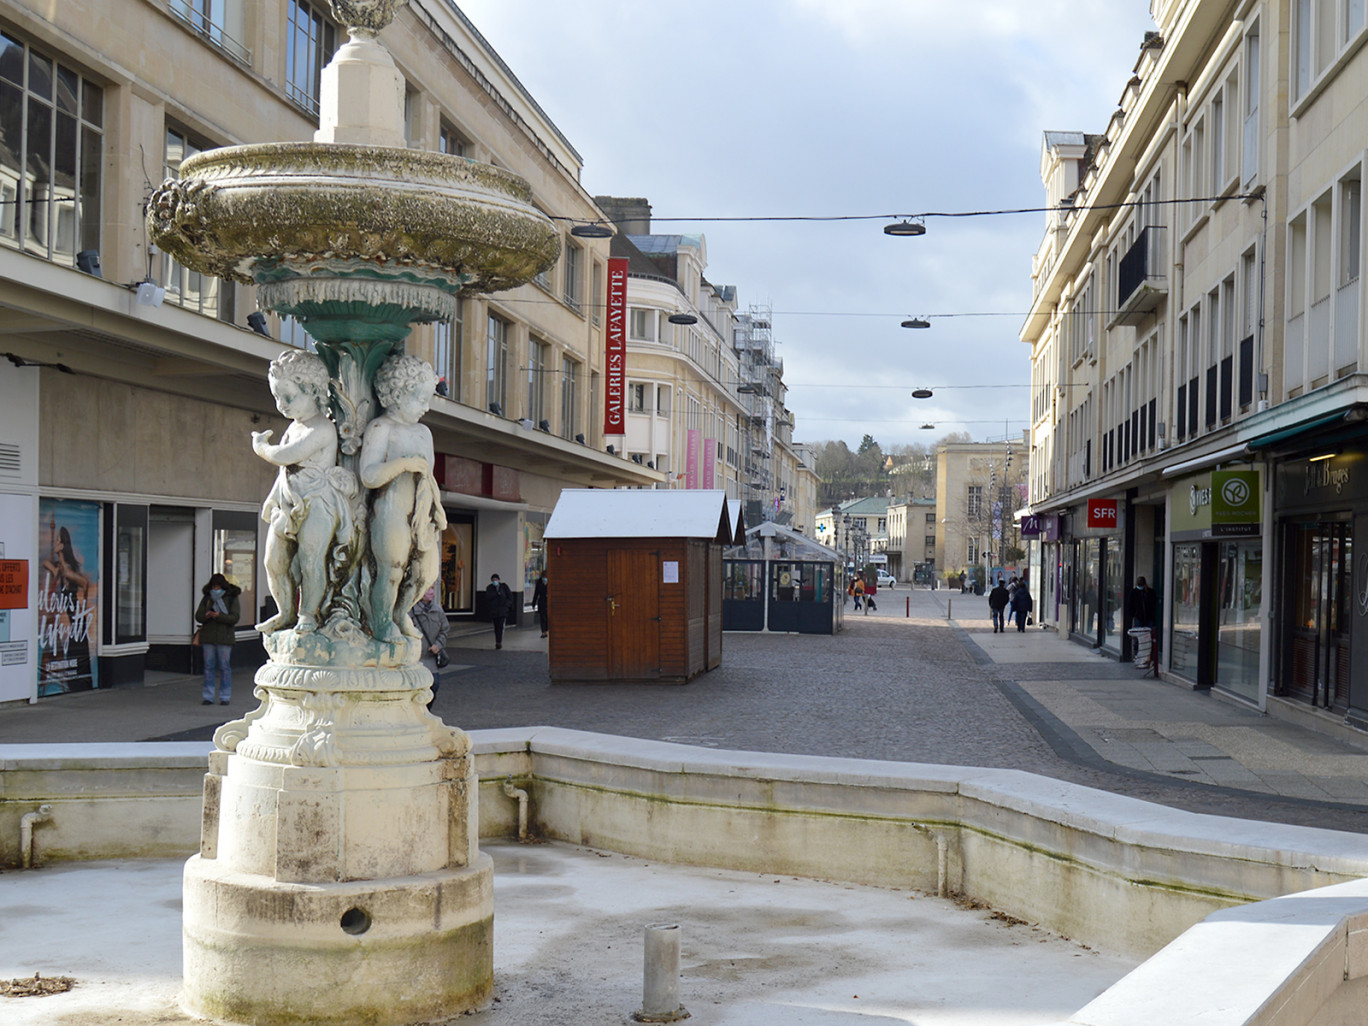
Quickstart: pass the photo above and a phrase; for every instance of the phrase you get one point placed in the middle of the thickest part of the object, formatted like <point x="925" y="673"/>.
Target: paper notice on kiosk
<point x="669" y="571"/>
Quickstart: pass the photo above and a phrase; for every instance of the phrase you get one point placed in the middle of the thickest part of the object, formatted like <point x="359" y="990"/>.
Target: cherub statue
<point x="310" y="504"/>
<point x="407" y="518"/>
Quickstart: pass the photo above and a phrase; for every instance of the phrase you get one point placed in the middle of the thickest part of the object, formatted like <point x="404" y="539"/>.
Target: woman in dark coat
<point x="218" y="614"/>
<point x="539" y="602"/>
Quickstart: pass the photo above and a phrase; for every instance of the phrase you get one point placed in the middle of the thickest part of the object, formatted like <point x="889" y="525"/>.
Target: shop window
<point x="235" y="556"/>
<point x="455" y="589"/>
<point x="1186" y="606"/>
<point x="1240" y="594"/>
<point x="130" y="574"/>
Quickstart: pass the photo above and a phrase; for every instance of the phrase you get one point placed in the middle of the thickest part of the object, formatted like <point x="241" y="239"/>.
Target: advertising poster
<point x="709" y="461"/>
<point x="68" y="594"/>
<point x="691" y="459"/>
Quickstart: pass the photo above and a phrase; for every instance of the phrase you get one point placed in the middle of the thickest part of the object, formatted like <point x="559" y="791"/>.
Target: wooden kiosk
<point x="634" y="581"/>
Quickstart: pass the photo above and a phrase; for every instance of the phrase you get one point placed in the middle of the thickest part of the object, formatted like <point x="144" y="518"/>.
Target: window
<point x="496" y="362"/>
<point x="569" y="397"/>
<point x="1351" y="228"/>
<point x="536" y="380"/>
<point x="971" y="551"/>
<point x="446" y="352"/>
<point x="1323" y="30"/>
<point x="973" y="506"/>
<point x="1250" y="157"/>
<point x="452" y="142"/>
<point x="931" y="518"/>
<point x="571" y="284"/>
<point x="663" y="400"/>
<point x="292" y="331"/>
<point x="235" y="555"/>
<point x="218" y="21"/>
<point x="643" y="325"/>
<point x="638" y="400"/>
<point x="130" y="573"/>
<point x="597" y="297"/>
<point x="190" y="289"/>
<point x="50" y="155"/>
<point x="309" y="44"/>
<point x="930" y="543"/>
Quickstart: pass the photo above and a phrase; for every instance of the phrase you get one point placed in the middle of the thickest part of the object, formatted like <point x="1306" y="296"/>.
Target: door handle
<point x="612" y="606"/>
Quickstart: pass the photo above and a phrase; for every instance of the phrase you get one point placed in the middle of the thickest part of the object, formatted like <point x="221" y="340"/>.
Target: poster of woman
<point x="68" y="595"/>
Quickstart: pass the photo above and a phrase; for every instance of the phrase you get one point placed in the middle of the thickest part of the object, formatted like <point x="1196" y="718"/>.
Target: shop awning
<point x="1353" y="415"/>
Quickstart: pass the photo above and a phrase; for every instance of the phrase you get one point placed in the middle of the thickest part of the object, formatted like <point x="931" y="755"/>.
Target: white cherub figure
<point x="309" y="507"/>
<point x="406" y="516"/>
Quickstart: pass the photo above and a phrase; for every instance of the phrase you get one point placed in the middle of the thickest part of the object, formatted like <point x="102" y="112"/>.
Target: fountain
<point x="339" y="878"/>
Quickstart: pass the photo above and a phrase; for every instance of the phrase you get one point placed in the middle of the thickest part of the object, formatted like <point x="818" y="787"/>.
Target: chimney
<point x="631" y="214"/>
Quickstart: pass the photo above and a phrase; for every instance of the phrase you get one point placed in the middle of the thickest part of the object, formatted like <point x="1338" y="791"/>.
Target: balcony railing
<point x="1141" y="277"/>
<point x="189" y="11"/>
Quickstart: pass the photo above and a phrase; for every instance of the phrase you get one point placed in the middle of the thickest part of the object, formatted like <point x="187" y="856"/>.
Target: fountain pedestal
<point x="339" y="878"/>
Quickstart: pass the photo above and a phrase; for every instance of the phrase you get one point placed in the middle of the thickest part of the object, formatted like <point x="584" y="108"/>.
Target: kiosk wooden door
<point x="633" y="615"/>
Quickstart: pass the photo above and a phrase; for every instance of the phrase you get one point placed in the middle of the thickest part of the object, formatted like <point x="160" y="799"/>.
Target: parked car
<point x="886" y="580"/>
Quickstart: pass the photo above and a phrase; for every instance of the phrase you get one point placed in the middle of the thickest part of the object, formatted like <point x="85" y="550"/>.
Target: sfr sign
<point x="1102" y="513"/>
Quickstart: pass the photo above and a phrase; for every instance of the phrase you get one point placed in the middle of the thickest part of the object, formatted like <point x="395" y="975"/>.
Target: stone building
<point x="979" y="487"/>
<point x="1197" y="344"/>
<point x="130" y="386"/>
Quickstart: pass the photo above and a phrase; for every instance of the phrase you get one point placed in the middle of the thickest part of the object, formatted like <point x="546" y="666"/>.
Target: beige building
<point x="126" y="411"/>
<point x="1198" y="350"/>
<point x="979" y="486"/>
<point x="911" y="536"/>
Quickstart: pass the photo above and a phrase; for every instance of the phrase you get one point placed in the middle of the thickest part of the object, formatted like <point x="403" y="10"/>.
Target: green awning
<point x="1273" y="438"/>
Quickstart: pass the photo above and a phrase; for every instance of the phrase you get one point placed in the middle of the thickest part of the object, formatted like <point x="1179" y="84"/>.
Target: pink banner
<point x="709" y="461"/>
<point x="691" y="460"/>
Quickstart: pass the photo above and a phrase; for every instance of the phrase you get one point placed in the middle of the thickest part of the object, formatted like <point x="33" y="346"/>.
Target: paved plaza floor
<point x="923" y="679"/>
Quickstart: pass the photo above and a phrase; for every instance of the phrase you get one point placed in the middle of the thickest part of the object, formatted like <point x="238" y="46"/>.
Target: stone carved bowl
<point x="269" y="211"/>
<point x="367" y="15"/>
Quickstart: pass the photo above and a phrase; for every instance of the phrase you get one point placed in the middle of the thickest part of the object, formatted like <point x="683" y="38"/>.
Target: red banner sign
<point x="13" y="583"/>
<point x="1102" y="513"/>
<point x="615" y="350"/>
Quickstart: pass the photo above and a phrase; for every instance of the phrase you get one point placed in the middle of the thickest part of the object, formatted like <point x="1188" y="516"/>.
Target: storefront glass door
<point x="1187" y="596"/>
<point x="1089" y="570"/>
<point x="1240" y="597"/>
<point x="1318" y="563"/>
<point x="1112" y="583"/>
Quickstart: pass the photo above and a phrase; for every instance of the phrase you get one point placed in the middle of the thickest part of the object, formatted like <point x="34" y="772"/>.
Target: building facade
<point x="1197" y="344"/>
<point x="131" y="386"/>
<point x="979" y="486"/>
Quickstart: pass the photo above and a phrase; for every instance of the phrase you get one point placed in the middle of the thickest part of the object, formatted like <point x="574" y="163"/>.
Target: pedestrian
<point x="218" y="613"/>
<point x="539" y="602"/>
<point x="431" y="621"/>
<point x="962" y="580"/>
<point x="500" y="606"/>
<point x="859" y="593"/>
<point x="871" y="589"/>
<point x="1144" y="605"/>
<point x="1021" y="606"/>
<point x="997" y="604"/>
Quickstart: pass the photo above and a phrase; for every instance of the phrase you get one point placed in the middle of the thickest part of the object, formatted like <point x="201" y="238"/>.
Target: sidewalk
<point x="1100" y="711"/>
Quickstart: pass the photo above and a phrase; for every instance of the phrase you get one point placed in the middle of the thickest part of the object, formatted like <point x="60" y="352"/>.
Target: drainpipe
<point x="26" y="823"/>
<point x="521" y="795"/>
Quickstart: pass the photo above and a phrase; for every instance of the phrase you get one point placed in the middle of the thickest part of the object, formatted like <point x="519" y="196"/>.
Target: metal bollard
<point x="909" y="607"/>
<point x="949" y="605"/>
<point x="660" y="985"/>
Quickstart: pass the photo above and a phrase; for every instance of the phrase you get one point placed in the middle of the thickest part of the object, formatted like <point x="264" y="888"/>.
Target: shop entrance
<point x="1318" y="562"/>
<point x="171" y="592"/>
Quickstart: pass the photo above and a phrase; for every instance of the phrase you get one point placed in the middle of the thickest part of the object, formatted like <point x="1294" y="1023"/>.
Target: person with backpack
<point x="1021" y="605"/>
<point x="997" y="605"/>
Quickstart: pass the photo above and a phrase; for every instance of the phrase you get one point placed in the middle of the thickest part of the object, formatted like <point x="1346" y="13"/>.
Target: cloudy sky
<point x="822" y="108"/>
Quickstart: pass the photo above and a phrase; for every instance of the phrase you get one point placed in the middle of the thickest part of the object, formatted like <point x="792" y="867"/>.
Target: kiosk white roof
<point x="633" y="513"/>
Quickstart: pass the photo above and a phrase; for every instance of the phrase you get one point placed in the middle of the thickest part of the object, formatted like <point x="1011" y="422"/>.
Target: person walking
<point x="431" y="621"/>
<point x="859" y="593"/>
<point x="962" y="580"/>
<point x="539" y="602"/>
<point x="218" y="613"/>
<point x="997" y="604"/>
<point x="871" y="589"/>
<point x="500" y="605"/>
<point x="1021" y="605"/>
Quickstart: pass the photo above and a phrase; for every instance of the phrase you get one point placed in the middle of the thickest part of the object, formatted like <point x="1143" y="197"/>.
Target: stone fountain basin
<point x="270" y="211"/>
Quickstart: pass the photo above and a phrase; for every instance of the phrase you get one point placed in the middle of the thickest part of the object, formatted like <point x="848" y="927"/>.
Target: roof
<point x="643" y="513"/>
<point x="664" y="243"/>
<point x="785" y="543"/>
